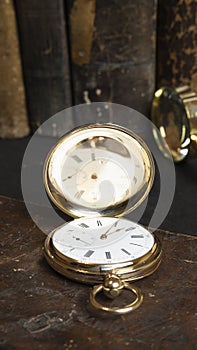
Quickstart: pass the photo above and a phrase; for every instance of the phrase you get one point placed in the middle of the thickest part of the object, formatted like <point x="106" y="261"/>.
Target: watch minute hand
<point x="106" y="234"/>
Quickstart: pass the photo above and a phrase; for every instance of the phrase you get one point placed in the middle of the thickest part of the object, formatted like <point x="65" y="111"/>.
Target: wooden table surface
<point x="42" y="310"/>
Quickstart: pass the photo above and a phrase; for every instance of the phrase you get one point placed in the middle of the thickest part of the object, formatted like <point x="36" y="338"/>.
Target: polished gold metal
<point x="174" y="112"/>
<point x="96" y="273"/>
<point x="119" y="143"/>
<point x="114" y="139"/>
<point x="113" y="289"/>
<point x="112" y="286"/>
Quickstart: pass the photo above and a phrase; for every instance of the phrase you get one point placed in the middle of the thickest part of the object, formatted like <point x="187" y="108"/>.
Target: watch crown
<point x="112" y="286"/>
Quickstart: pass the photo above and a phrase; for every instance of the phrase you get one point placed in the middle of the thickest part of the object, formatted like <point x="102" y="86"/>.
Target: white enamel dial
<point x="102" y="240"/>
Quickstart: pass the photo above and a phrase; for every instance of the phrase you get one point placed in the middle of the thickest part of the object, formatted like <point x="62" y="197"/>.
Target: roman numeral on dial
<point x="84" y="225"/>
<point x="89" y="253"/>
<point x="79" y="194"/>
<point x="135" y="180"/>
<point x="76" y="158"/>
<point x="125" y="251"/>
<point x="137" y="236"/>
<point x="99" y="223"/>
<point x="130" y="228"/>
<point x="108" y="255"/>
<point x="93" y="156"/>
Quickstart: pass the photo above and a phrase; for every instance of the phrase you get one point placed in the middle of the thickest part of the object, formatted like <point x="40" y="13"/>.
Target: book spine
<point x="43" y="37"/>
<point x="177" y="43"/>
<point x="13" y="116"/>
<point x="113" y="51"/>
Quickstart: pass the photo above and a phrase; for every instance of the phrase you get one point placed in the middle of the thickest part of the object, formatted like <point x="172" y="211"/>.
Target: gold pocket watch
<point x="96" y="173"/>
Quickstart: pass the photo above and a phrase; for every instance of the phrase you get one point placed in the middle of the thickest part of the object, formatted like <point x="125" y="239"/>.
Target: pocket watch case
<point x="96" y="174"/>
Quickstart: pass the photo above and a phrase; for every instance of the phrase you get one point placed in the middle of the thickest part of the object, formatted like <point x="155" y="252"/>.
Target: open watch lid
<point x="98" y="170"/>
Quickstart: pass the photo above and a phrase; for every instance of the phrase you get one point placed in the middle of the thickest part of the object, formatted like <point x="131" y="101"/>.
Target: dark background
<point x="71" y="51"/>
<point x="182" y="216"/>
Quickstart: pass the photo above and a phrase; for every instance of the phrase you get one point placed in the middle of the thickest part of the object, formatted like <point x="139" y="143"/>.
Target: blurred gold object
<point x="174" y="112"/>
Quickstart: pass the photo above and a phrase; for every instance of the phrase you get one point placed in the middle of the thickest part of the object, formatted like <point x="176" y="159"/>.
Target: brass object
<point x="98" y="173"/>
<point x="112" y="151"/>
<point x="94" y="273"/>
<point x="116" y="287"/>
<point x="174" y="112"/>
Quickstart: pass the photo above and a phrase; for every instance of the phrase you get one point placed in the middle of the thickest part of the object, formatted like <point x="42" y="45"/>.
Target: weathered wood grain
<point x="42" y="310"/>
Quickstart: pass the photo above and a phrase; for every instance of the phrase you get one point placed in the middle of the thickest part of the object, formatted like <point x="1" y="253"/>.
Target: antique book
<point x="43" y="38"/>
<point x="177" y="43"/>
<point x="13" y="116"/>
<point x="113" y="51"/>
